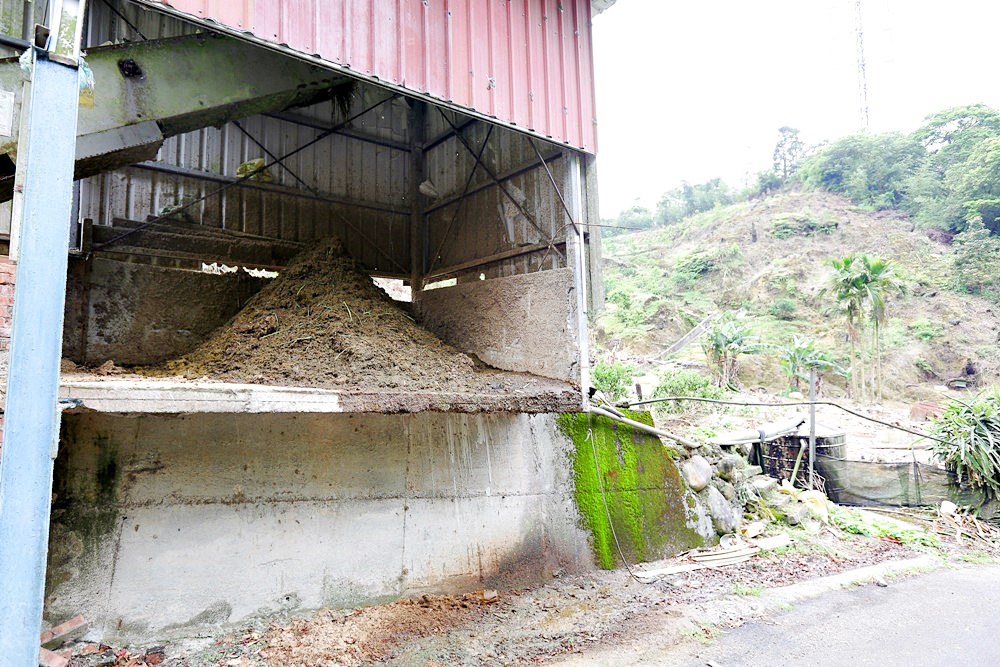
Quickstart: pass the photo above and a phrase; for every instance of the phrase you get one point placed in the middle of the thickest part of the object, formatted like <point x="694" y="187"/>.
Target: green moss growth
<point x="641" y="485"/>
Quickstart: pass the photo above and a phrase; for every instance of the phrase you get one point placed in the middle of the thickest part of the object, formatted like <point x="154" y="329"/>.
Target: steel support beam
<point x="513" y="253"/>
<point x="312" y="194"/>
<point x="503" y="177"/>
<point x="415" y="123"/>
<point x="31" y="420"/>
<point x="348" y="132"/>
<point x="575" y="250"/>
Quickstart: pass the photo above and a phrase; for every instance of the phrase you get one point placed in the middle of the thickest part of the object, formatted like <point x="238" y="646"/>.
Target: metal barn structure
<point x="438" y="139"/>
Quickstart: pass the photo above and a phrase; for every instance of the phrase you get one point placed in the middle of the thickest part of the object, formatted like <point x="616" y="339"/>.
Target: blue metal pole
<point x="31" y="419"/>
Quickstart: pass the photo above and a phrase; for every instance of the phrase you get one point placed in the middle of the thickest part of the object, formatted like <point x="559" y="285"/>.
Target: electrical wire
<point x="785" y="405"/>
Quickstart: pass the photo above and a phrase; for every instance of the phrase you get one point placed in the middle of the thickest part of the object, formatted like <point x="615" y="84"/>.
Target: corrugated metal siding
<point x="103" y="25"/>
<point x="340" y="167"/>
<point x="376" y="232"/>
<point x="524" y="62"/>
<point x="487" y="223"/>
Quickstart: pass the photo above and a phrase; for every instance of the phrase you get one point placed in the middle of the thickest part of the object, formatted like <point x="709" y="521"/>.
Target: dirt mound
<point x="323" y="323"/>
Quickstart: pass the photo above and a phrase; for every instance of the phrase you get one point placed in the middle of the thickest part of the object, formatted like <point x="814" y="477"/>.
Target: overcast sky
<point x="694" y="89"/>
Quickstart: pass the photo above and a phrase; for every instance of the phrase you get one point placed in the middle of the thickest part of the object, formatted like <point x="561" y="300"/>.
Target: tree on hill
<point x="878" y="281"/>
<point x="635" y="218"/>
<point x="871" y="169"/>
<point x="952" y="170"/>
<point x="860" y="286"/>
<point x="688" y="199"/>
<point x="976" y="187"/>
<point x="788" y="151"/>
<point x="844" y="287"/>
<point x="977" y="256"/>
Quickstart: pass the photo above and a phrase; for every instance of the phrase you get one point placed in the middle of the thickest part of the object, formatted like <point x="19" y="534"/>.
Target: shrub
<point x="688" y="269"/>
<point x="925" y="330"/>
<point x="684" y="383"/>
<point x="790" y="224"/>
<point x="613" y="378"/>
<point x="782" y="309"/>
<point x="972" y="434"/>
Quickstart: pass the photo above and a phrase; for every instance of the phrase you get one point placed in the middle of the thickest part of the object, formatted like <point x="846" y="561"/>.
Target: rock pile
<point x="728" y="490"/>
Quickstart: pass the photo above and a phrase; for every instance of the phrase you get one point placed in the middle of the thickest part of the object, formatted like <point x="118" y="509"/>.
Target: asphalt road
<point x="946" y="617"/>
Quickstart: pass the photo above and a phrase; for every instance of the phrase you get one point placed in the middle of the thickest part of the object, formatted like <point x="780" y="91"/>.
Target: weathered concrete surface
<point x="165" y="396"/>
<point x="517" y="323"/>
<point x="144" y="314"/>
<point x="167" y="523"/>
<point x="135" y="394"/>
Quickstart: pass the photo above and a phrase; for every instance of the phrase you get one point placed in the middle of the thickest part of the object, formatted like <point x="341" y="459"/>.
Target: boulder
<point x="762" y="484"/>
<point x="724" y="519"/>
<point x="698" y="472"/>
<point x="729" y="466"/>
<point x="796" y="514"/>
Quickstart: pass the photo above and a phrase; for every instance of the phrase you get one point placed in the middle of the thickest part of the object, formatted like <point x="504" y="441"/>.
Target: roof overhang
<point x="427" y="51"/>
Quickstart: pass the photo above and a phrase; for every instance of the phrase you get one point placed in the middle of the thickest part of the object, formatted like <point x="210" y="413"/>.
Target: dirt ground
<point x="570" y="616"/>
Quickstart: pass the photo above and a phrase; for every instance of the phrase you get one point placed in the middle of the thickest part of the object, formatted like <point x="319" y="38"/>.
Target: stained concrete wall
<point x="517" y="323"/>
<point x="143" y="314"/>
<point x="166" y="523"/>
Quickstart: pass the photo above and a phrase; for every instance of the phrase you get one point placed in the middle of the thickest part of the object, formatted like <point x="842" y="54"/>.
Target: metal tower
<point x="862" y="74"/>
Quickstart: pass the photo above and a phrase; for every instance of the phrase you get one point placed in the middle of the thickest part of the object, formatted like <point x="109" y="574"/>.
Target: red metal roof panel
<point x="527" y="63"/>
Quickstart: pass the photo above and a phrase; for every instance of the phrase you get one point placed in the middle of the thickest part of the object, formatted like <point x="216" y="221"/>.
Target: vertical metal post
<point x="812" y="425"/>
<point x="574" y="236"/>
<point x="31" y="420"/>
<point x="415" y="126"/>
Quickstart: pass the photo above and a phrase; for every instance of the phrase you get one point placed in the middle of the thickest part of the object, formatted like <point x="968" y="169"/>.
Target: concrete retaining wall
<point x="167" y="523"/>
<point x="143" y="314"/>
<point x="517" y="323"/>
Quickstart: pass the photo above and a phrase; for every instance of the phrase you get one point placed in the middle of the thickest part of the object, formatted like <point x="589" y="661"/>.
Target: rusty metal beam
<point x="513" y="253"/>
<point x="448" y="134"/>
<point x="351" y="133"/>
<point x="174" y="170"/>
<point x="503" y="177"/>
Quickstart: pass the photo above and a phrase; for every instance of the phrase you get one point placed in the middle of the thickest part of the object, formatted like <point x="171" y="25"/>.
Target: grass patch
<point x="977" y="558"/>
<point x="703" y="633"/>
<point x="747" y="591"/>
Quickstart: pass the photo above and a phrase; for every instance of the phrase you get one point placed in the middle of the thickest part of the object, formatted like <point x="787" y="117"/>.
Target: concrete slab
<point x="133" y="394"/>
<point x="164" y="396"/>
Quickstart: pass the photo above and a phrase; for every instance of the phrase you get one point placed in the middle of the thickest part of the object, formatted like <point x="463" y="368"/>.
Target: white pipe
<point x="643" y="427"/>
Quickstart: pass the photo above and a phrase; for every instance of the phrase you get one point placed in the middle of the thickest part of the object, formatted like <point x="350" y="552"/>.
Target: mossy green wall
<point x="646" y="498"/>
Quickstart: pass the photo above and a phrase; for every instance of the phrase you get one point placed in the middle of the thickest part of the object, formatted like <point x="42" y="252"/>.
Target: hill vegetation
<point x="763" y="268"/>
<point x="871" y="260"/>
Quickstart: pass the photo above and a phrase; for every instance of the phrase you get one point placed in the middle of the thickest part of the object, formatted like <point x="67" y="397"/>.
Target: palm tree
<point x="845" y="284"/>
<point x="800" y="356"/>
<point x="860" y="285"/>
<point x="878" y="280"/>
<point x="725" y="340"/>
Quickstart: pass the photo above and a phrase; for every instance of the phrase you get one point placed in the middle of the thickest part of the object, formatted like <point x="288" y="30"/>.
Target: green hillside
<point x="768" y="259"/>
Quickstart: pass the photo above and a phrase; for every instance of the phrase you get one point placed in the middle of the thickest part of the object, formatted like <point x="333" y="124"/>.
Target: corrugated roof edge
<point x="315" y="59"/>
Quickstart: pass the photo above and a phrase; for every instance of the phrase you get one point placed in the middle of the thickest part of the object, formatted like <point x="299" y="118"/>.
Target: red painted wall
<point x="524" y="62"/>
